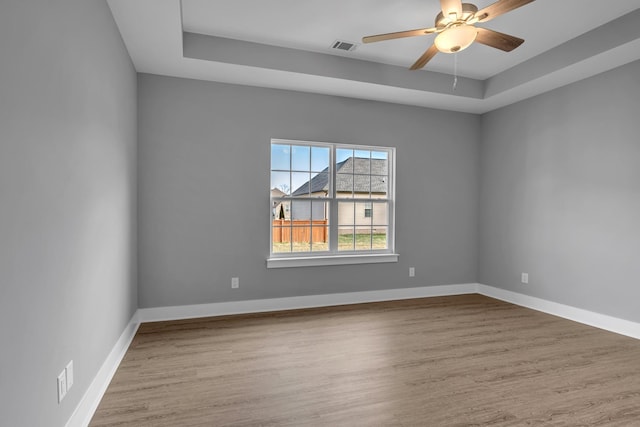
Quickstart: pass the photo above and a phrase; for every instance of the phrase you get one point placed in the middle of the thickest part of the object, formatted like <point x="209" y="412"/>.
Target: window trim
<point x="321" y="258"/>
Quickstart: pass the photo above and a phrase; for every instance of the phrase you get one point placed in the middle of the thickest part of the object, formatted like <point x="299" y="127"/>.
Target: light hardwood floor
<point x="447" y="361"/>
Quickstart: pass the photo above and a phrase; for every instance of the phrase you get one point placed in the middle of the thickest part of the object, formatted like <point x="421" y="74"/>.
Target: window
<point x="331" y="204"/>
<point x="367" y="210"/>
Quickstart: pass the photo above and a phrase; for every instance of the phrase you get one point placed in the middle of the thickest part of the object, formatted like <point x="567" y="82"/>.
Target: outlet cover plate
<point x="62" y="386"/>
<point x="69" y="373"/>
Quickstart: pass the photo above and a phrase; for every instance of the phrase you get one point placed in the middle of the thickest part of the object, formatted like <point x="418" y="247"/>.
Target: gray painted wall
<point x="204" y="190"/>
<point x="560" y="195"/>
<point x="67" y="194"/>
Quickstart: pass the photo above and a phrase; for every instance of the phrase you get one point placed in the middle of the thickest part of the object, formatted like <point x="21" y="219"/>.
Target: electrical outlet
<point x="62" y="386"/>
<point x="412" y="272"/>
<point x="524" y="278"/>
<point x="69" y="374"/>
<point x="235" y="283"/>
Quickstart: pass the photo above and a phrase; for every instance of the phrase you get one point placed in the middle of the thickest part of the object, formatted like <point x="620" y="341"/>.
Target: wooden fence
<point x="301" y="230"/>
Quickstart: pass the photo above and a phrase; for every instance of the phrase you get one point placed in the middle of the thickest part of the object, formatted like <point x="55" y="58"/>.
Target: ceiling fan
<point x="456" y="30"/>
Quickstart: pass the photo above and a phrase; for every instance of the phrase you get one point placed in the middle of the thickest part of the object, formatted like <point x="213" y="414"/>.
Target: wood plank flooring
<point x="446" y="361"/>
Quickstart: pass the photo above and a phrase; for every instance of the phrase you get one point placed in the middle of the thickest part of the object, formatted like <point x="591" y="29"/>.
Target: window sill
<point x="330" y="260"/>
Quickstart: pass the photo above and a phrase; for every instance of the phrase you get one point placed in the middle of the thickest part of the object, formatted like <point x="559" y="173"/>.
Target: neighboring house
<point x="356" y="178"/>
<point x="280" y="210"/>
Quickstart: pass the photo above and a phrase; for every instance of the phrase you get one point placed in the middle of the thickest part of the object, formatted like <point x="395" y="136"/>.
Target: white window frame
<point x="333" y="256"/>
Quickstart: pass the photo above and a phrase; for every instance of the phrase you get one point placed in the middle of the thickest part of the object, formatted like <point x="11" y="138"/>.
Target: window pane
<point x="320" y="211"/>
<point x="301" y="237"/>
<point x="363" y="239"/>
<point x="380" y="238"/>
<point x="281" y="211"/>
<point x="364" y="154"/>
<point x="300" y="158"/>
<point x="362" y="164"/>
<point x="319" y="222"/>
<point x="319" y="158"/>
<point x="343" y="154"/>
<point x="343" y="160"/>
<point x="320" y="184"/>
<point x="345" y="239"/>
<point x="344" y="185"/>
<point x="361" y="217"/>
<point x="380" y="155"/>
<point x="320" y="238"/>
<point x="281" y="239"/>
<point x="379" y="186"/>
<point x="379" y="166"/>
<point x="380" y="214"/>
<point x="346" y="215"/>
<point x="362" y="185"/>
<point x="301" y="211"/>
<point x="282" y="182"/>
<point x="280" y="156"/>
<point x="300" y="183"/>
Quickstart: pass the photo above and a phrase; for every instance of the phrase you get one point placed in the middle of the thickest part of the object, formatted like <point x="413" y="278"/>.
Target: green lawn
<point x="345" y="243"/>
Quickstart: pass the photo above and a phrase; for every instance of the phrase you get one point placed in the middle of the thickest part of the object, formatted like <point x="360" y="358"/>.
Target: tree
<point x="284" y="188"/>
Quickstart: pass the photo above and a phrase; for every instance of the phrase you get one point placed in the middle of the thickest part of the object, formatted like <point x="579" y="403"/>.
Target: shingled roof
<point x="346" y="171"/>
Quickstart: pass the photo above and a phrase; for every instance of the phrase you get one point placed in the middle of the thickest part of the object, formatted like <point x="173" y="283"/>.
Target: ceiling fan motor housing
<point x="468" y="10"/>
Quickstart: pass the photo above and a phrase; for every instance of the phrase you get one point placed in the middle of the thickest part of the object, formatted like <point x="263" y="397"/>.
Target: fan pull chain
<point x="455" y="71"/>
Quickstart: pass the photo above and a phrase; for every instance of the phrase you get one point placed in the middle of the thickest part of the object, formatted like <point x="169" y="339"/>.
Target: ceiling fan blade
<point x="426" y="57"/>
<point x="398" y="35"/>
<point x="498" y="8"/>
<point x="451" y="6"/>
<point x="498" y="40"/>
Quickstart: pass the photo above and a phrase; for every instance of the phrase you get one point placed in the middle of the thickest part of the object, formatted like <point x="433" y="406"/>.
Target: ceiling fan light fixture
<point x="456" y="39"/>
<point x="454" y="26"/>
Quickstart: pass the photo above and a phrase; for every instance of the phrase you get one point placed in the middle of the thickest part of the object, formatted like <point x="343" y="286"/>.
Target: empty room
<point x="319" y="213"/>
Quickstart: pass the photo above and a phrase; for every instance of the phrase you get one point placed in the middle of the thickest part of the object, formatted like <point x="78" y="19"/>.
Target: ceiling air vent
<point x="342" y="45"/>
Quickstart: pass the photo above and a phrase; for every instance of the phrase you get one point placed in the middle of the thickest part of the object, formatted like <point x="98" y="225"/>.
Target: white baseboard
<point x="292" y="303"/>
<point x="89" y="403"/>
<point x="83" y="413"/>
<point x="602" y="321"/>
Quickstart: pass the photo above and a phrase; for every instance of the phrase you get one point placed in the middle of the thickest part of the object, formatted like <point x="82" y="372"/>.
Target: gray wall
<point x="67" y="195"/>
<point x="560" y="195"/>
<point x="204" y="190"/>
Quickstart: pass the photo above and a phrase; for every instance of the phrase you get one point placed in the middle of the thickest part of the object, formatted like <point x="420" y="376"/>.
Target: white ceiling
<point x="286" y="44"/>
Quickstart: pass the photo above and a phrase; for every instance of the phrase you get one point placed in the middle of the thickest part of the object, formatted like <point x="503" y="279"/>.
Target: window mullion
<point x="333" y="203"/>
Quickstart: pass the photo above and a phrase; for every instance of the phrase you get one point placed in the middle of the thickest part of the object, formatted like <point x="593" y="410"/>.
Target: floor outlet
<point x="235" y="283"/>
